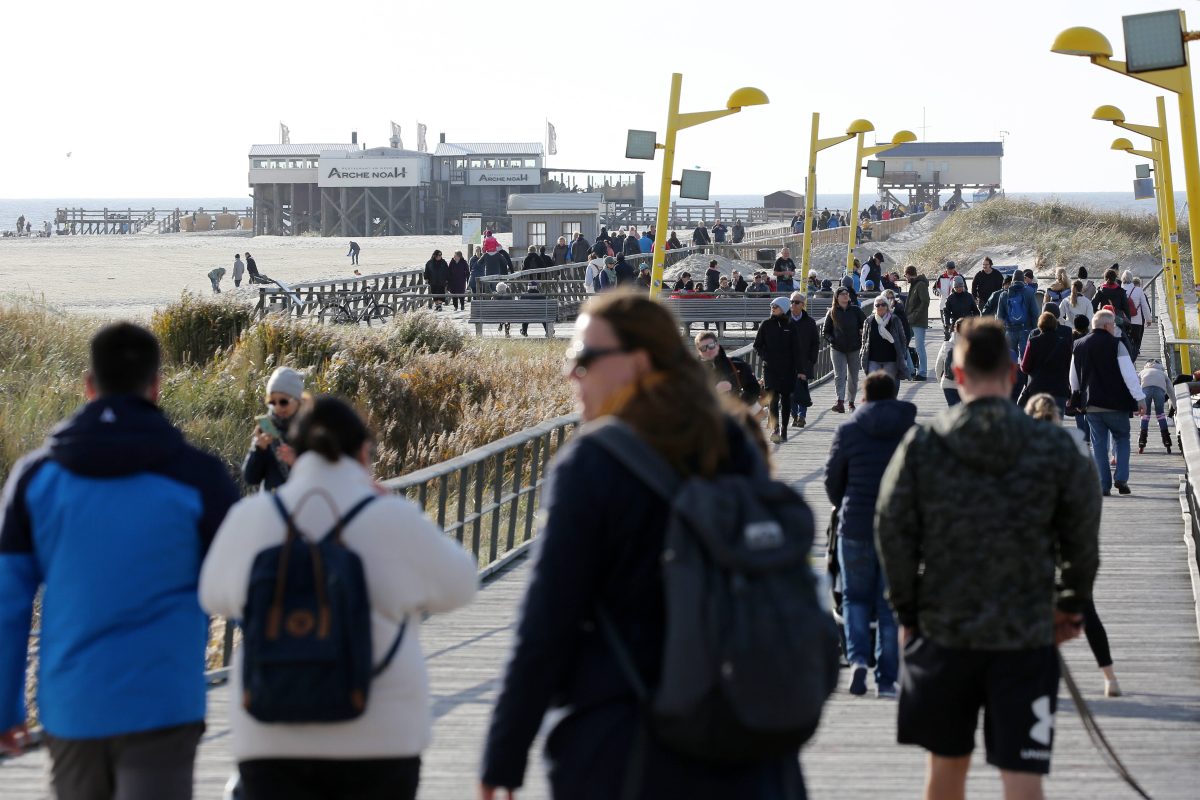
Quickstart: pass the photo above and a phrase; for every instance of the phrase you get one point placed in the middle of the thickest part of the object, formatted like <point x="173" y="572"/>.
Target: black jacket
<point x="810" y="343"/>
<point x="738" y="373"/>
<point x="740" y="284"/>
<point x="625" y="272"/>
<point x="861" y="449"/>
<point x="957" y="306"/>
<point x="630" y="246"/>
<point x="263" y="466"/>
<point x="984" y="285"/>
<point x="437" y="273"/>
<point x="561" y="253"/>
<point x="1047" y="362"/>
<point x="532" y="261"/>
<point x="579" y="250"/>
<point x="700" y="235"/>
<point x="712" y="279"/>
<point x="592" y="553"/>
<point x="778" y="345"/>
<point x="845" y="336"/>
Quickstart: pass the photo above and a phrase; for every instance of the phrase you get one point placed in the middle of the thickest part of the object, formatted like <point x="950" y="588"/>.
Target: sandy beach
<point x="130" y="276"/>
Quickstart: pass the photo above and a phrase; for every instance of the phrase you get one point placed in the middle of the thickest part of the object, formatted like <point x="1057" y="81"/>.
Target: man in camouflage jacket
<point x="977" y="512"/>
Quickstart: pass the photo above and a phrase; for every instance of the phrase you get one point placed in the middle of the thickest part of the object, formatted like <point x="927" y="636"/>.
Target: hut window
<point x="536" y="233"/>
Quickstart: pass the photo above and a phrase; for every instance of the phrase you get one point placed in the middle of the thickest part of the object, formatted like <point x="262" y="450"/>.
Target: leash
<point x="1095" y="734"/>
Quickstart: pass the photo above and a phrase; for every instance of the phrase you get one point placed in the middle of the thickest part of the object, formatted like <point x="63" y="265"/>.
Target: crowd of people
<point x="961" y="623"/>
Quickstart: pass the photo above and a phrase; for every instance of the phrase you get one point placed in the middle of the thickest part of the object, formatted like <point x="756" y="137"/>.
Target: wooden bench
<point x="496" y="311"/>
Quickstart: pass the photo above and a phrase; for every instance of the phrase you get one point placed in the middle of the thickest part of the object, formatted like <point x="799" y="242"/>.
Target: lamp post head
<point x="1109" y="114"/>
<point x="747" y="96"/>
<point x="1122" y="144"/>
<point x="1082" y="42"/>
<point x="859" y="126"/>
<point x="903" y="137"/>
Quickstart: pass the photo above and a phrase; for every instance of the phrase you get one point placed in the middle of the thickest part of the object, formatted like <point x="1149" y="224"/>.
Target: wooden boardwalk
<point x="1144" y="596"/>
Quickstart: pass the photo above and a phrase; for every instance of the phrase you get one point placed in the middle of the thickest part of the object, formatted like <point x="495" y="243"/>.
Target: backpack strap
<point x="345" y="519"/>
<point x="623" y="444"/>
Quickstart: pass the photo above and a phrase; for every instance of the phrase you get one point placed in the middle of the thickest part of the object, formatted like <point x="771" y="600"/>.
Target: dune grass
<point x="1060" y="234"/>
<point x="428" y="391"/>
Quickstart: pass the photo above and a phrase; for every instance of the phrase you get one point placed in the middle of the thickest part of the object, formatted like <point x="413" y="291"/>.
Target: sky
<point x="155" y="99"/>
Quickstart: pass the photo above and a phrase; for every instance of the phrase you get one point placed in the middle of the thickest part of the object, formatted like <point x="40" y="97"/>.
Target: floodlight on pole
<point x="1155" y="46"/>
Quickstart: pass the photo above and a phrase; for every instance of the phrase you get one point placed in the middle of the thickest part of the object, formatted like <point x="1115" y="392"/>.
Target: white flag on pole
<point x="396" y="135"/>
<point x="421" y="146"/>
<point x="551" y="140"/>
<point x="285" y="136"/>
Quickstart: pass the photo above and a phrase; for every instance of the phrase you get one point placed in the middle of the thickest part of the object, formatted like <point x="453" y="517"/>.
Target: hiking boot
<point x="795" y="420"/>
<point x="800" y="422"/>
<point x="775" y="436"/>
<point x="886" y="692"/>
<point x="1142" y="448"/>
<point x="1122" y="487"/>
<point x="920" y="378"/>
<point x="852" y="406"/>
<point x="858" y="681"/>
<point x="839" y="407"/>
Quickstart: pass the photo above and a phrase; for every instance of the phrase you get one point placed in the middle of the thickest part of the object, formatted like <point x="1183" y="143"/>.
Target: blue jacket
<point x="646" y="244"/>
<point x="1031" y="308"/>
<point x="861" y="449"/>
<point x="113" y="516"/>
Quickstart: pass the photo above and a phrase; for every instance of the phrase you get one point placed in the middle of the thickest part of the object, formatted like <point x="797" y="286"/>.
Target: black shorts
<point x="942" y="690"/>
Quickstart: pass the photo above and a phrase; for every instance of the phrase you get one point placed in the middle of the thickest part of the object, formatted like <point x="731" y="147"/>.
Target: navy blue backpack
<point x="306" y="650"/>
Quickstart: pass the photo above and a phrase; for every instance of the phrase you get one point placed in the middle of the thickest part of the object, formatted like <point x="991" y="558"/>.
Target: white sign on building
<point x="348" y="172"/>
<point x="504" y="177"/>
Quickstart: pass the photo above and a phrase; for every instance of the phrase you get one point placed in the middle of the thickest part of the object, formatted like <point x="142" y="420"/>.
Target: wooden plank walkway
<point x="1144" y="595"/>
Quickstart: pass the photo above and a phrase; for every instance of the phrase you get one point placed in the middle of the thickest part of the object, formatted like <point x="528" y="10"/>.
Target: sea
<point x="39" y="210"/>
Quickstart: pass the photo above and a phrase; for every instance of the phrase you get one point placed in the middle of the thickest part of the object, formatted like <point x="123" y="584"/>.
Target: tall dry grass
<point x="1061" y="234"/>
<point x="428" y="391"/>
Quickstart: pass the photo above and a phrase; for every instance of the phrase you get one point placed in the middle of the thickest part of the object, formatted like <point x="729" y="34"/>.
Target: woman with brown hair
<point x="1047" y="360"/>
<point x="600" y="548"/>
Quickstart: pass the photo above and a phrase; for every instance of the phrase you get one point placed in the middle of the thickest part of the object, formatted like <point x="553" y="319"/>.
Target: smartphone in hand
<point x="267" y="426"/>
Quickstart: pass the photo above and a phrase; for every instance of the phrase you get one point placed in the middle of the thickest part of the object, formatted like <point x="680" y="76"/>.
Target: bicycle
<point x="369" y="310"/>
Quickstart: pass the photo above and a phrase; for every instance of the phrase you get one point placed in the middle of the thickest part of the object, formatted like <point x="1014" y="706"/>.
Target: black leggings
<point x="1097" y="637"/>
<point x="329" y="779"/>
<point x="778" y="397"/>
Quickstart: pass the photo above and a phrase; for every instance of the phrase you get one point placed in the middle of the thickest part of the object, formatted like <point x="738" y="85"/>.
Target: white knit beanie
<point x="286" y="380"/>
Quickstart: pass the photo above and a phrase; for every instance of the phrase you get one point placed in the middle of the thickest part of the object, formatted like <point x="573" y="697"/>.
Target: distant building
<point x="539" y="219"/>
<point x="784" y="199"/>
<point x="924" y="169"/>
<point x="347" y="190"/>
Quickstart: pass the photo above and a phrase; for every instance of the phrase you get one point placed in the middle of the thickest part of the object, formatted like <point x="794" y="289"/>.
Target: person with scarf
<point x="883" y="344"/>
<point x="778" y="345"/>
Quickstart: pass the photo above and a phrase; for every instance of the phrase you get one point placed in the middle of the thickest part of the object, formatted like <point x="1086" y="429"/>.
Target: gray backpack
<point x="750" y="655"/>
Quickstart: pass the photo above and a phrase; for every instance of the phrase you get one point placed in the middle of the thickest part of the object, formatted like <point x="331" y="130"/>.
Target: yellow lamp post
<point x="746" y="96"/>
<point x="1160" y="154"/>
<point x="1160" y="61"/>
<point x="815" y="146"/>
<point x="860" y="127"/>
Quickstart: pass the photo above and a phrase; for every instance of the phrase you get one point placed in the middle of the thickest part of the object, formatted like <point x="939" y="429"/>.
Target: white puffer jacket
<point x="411" y="566"/>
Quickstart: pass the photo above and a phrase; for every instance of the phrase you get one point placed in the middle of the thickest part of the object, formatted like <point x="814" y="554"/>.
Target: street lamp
<point x="1160" y="154"/>
<point x="1155" y="46"/>
<point x="746" y="96"/>
<point x="815" y="146"/>
<point x="859" y="128"/>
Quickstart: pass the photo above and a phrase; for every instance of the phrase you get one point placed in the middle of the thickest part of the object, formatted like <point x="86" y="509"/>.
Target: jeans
<point x="862" y="600"/>
<point x="845" y="369"/>
<point x="1104" y="424"/>
<point x="890" y="367"/>
<point x="1017" y="337"/>
<point x="1081" y="422"/>
<point x="919" y="344"/>
<point x="799" y="395"/>
<point x="1156" y="402"/>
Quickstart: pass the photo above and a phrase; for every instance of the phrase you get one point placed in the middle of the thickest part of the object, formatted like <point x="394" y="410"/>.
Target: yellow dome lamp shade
<point x="860" y="126"/>
<point x="1087" y="42"/>
<point x="904" y="137"/>
<point x="1122" y="144"/>
<point x="1109" y="114"/>
<point x="747" y="96"/>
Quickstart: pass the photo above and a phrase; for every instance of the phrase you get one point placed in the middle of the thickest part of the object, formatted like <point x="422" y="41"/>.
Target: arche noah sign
<point x="368" y="172"/>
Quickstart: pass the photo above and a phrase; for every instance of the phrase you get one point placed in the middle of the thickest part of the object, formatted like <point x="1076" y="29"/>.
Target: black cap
<point x="879" y="256"/>
<point x="950" y="265"/>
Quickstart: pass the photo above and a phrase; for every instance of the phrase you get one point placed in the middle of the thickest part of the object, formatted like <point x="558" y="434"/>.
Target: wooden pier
<point x="1144" y="594"/>
<point x="125" y="221"/>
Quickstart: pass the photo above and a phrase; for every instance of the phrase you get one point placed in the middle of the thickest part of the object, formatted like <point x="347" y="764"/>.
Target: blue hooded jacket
<point x="861" y="449"/>
<point x="113" y="516"/>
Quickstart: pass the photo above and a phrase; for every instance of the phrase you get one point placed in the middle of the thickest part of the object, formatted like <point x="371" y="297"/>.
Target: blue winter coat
<point x="113" y="516"/>
<point x="861" y="449"/>
<point x="646" y="244"/>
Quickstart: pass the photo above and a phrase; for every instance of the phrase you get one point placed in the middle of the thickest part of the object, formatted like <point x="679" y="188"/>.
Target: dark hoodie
<point x="262" y="466"/>
<point x="861" y="449"/>
<point x="978" y="509"/>
<point x="113" y="516"/>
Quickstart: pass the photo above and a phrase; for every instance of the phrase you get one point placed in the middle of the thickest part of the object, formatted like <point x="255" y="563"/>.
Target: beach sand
<point x="130" y="276"/>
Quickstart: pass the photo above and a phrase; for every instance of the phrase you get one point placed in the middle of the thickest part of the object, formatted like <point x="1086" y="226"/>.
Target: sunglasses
<point x="581" y="357"/>
<point x="284" y="403"/>
<point x="797" y="302"/>
<point x="704" y="348"/>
